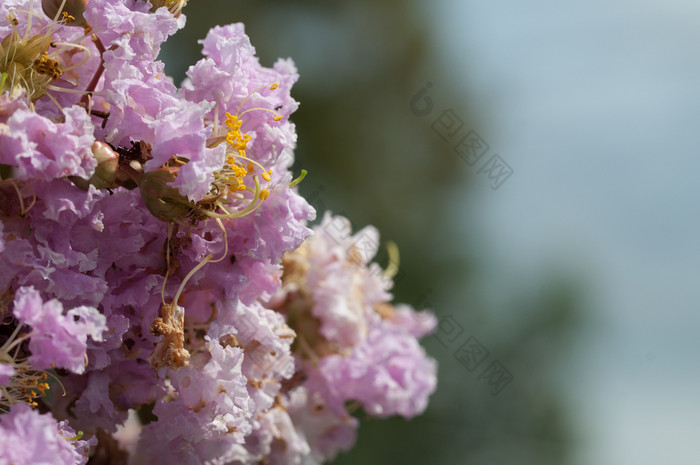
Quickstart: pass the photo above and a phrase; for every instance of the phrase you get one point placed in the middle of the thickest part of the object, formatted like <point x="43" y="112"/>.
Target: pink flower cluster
<point x="162" y="296"/>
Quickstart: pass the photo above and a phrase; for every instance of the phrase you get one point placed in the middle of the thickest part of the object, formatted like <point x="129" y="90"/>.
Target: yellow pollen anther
<point x="32" y="60"/>
<point x="48" y="67"/>
<point x="232" y="121"/>
<point x="25" y="384"/>
<point x="229" y="186"/>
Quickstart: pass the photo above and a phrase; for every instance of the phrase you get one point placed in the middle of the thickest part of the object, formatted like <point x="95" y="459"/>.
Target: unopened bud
<point x="107" y="166"/>
<point x="163" y="201"/>
<point x="105" y="175"/>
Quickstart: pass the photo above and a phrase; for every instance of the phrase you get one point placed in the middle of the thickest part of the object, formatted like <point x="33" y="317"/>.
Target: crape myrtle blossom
<point x="162" y="296"/>
<point x="26" y="436"/>
<point x="56" y="339"/>
<point x="43" y="149"/>
<point x="355" y="346"/>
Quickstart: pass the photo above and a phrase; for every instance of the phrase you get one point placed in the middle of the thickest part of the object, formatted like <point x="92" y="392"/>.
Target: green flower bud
<point x="163" y="201"/>
<point x="107" y="166"/>
<point x="105" y="176"/>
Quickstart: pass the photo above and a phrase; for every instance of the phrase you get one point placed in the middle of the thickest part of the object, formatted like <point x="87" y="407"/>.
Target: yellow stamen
<point x="26" y="384"/>
<point x="233" y="180"/>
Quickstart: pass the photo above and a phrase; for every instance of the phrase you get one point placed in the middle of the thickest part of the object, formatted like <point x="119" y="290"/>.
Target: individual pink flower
<point x="57" y="339"/>
<point x="39" y="148"/>
<point x="30" y="438"/>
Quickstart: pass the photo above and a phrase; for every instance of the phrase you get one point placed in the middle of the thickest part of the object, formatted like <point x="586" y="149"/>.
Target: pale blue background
<point x="596" y="106"/>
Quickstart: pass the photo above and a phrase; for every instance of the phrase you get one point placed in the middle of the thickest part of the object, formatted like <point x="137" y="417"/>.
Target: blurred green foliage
<point x="371" y="159"/>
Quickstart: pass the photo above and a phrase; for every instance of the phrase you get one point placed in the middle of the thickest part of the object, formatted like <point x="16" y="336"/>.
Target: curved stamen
<point x="60" y="10"/>
<point x="67" y="45"/>
<point x="189" y="275"/>
<point x="277" y="117"/>
<point x="299" y="179"/>
<point x="53" y="99"/>
<point x="272" y="86"/>
<point x="167" y="261"/>
<point x="221" y="225"/>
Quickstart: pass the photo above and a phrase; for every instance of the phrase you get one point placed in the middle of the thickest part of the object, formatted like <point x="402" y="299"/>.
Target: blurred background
<point x="537" y="164"/>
